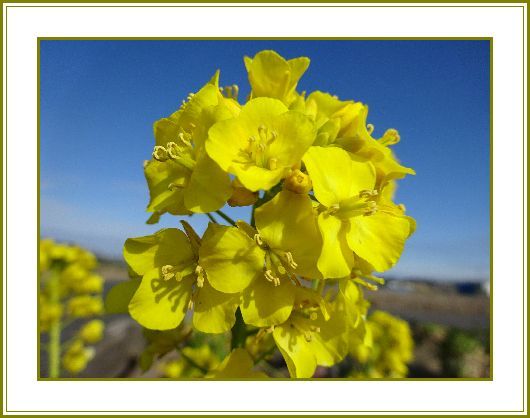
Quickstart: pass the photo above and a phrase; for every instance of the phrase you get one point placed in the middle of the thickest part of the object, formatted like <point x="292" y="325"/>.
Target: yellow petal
<point x="214" y="312"/>
<point x="330" y="344"/>
<point x="296" y="133"/>
<point x="163" y="198"/>
<point x="271" y="75"/>
<point x="379" y="239"/>
<point x="165" y="247"/>
<point x="231" y="259"/>
<point x="336" y="175"/>
<point x="295" y="350"/>
<point x="160" y="304"/>
<point x="264" y="304"/>
<point x="287" y="222"/>
<point x="336" y="259"/>
<point x="209" y="186"/>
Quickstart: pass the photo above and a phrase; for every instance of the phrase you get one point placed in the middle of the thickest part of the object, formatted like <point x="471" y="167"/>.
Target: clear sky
<point x="99" y="100"/>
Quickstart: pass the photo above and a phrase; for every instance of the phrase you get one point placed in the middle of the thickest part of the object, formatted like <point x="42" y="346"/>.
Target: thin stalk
<point x="209" y="215"/>
<point x="54" y="346"/>
<point x="252" y="219"/>
<point x="226" y="217"/>
<point x="320" y="286"/>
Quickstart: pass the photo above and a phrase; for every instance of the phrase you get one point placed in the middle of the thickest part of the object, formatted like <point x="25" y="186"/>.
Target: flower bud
<point x="298" y="182"/>
<point x="92" y="331"/>
<point x="241" y="196"/>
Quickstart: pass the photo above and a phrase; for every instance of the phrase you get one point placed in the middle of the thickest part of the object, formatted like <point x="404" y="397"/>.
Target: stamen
<point x="371" y="208"/>
<point x="271" y="278"/>
<point x="333" y="208"/>
<point x="169" y="272"/>
<point x="390" y="137"/>
<point x="258" y="240"/>
<point x="173" y="150"/>
<point x="364" y="283"/>
<point x="185" y="139"/>
<point x="368" y="193"/>
<point x="160" y="153"/>
<point x="370" y="128"/>
<point x="290" y="260"/>
<point x="179" y="154"/>
<point x="256" y="150"/>
<point x="175" y="186"/>
<point x="199" y="271"/>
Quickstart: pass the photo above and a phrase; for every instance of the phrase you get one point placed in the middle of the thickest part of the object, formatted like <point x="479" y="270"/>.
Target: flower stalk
<point x="54" y="346"/>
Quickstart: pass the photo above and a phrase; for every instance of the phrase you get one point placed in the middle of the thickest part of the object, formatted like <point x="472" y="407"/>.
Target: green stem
<point x="252" y="219"/>
<point x="239" y="331"/>
<point x="54" y="346"/>
<point x="264" y="354"/>
<point x="191" y="361"/>
<point x="226" y="217"/>
<point x="209" y="215"/>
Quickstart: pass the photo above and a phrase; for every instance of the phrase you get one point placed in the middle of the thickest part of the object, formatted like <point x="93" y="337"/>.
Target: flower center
<point x="359" y="277"/>
<point x="278" y="263"/>
<point x="362" y="205"/>
<point x="257" y="150"/>
<point x="169" y="272"/>
<point x="180" y="151"/>
<point x="303" y="321"/>
<point x="230" y="92"/>
<point x="390" y="137"/>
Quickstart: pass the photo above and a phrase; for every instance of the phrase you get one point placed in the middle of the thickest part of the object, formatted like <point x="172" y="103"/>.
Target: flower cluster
<point x="386" y="348"/>
<point x="70" y="290"/>
<point x="323" y="217"/>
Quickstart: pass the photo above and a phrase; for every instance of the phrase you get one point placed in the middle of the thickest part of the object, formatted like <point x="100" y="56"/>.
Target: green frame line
<point x="276" y="3"/>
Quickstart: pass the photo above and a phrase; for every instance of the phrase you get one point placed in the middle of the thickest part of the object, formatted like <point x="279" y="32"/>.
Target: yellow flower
<point x="263" y="264"/>
<point x="173" y="281"/>
<point x="332" y="116"/>
<point x="316" y="333"/>
<point x="357" y="139"/>
<point x="84" y="305"/>
<point x="49" y="313"/>
<point x="270" y="75"/>
<point x="75" y="278"/>
<point x="352" y="220"/>
<point x="181" y="177"/>
<point x="262" y="144"/>
<point x="92" y="331"/>
<point x="76" y="357"/>
<point x="388" y="348"/>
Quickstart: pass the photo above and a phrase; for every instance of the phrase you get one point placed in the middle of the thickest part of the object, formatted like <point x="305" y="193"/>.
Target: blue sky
<point x="99" y="100"/>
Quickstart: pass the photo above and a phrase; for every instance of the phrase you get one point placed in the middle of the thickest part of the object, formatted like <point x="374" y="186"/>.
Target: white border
<point x="504" y="393"/>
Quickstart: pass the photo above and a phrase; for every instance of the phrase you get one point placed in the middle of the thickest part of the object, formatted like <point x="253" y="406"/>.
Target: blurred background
<point x="99" y="100"/>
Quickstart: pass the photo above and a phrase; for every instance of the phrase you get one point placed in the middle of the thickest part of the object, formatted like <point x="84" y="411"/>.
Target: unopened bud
<point x="298" y="182"/>
<point x="241" y="196"/>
